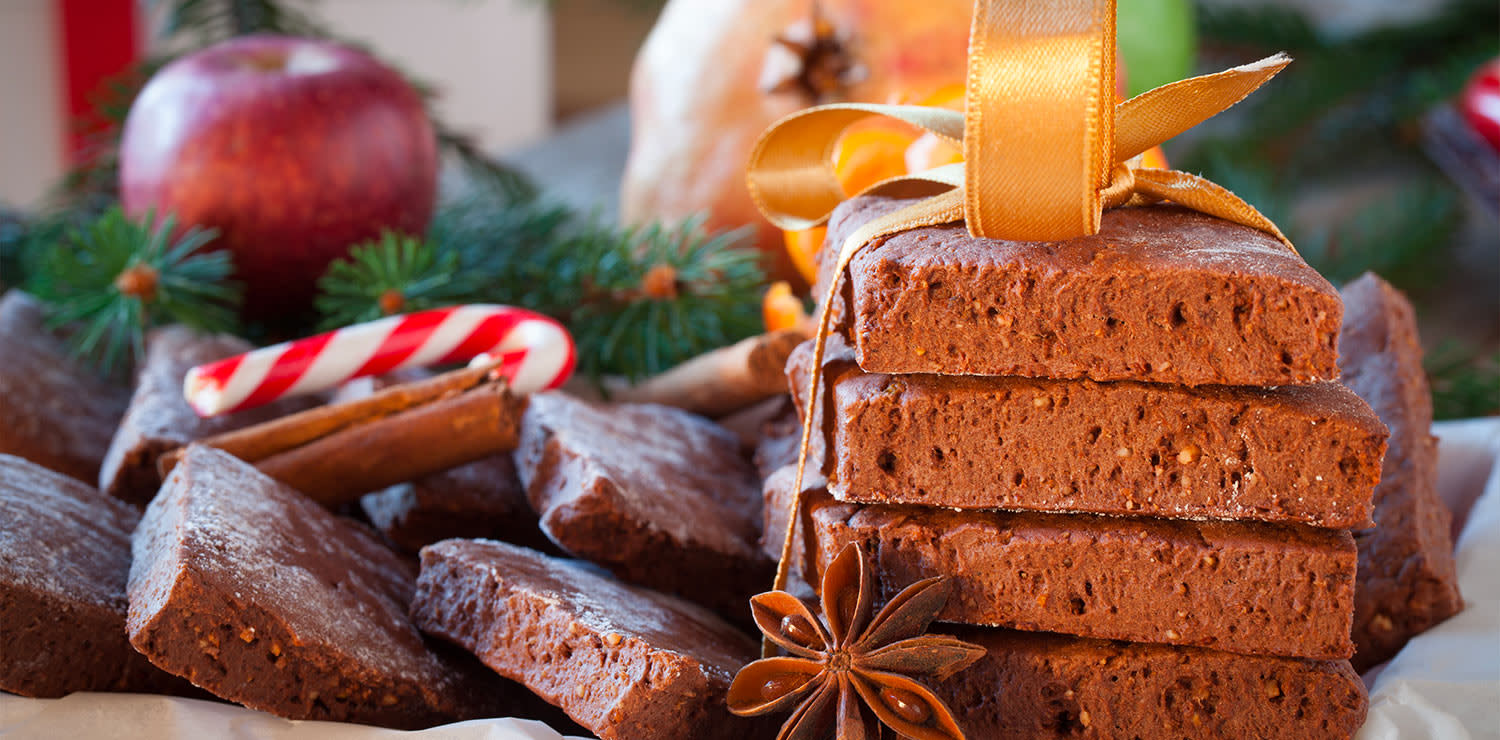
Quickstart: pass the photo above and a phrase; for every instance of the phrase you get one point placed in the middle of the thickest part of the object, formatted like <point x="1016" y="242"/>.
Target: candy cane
<point x="534" y="352"/>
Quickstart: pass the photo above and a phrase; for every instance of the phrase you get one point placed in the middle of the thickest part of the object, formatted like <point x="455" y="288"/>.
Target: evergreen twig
<point x="395" y="274"/>
<point x="638" y="301"/>
<point x="110" y="281"/>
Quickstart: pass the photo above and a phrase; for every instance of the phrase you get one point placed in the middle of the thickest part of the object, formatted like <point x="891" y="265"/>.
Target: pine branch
<point x="395" y="274"/>
<point x="638" y="301"/>
<point x="493" y="232"/>
<point x="657" y="296"/>
<point x="112" y="280"/>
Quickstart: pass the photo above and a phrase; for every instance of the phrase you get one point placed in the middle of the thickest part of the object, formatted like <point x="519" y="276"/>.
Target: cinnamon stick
<point x="721" y="381"/>
<point x="255" y="443"/>
<point x="429" y="438"/>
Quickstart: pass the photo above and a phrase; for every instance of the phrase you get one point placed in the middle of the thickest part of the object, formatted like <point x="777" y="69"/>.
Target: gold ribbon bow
<point x="1045" y="151"/>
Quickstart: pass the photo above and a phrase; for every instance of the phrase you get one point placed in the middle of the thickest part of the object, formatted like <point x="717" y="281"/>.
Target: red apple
<point x="294" y="149"/>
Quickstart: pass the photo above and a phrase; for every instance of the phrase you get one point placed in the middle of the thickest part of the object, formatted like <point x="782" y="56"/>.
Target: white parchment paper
<point x="1445" y="685"/>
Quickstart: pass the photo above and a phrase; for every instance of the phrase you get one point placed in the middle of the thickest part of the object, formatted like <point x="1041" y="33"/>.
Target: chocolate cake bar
<point x="1161" y="294"/>
<point x="658" y="496"/>
<point x="780" y="440"/>
<point x="259" y="595"/>
<point x="624" y="662"/>
<point x="483" y="500"/>
<point x="1306" y="454"/>
<point x="159" y="418"/>
<point x="1256" y="589"/>
<point x="64" y="556"/>
<point x="1032" y="685"/>
<point x="1407" y="580"/>
<point x="52" y="411"/>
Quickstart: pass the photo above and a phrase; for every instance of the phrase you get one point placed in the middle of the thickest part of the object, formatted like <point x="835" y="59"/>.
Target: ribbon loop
<point x="1038" y="117"/>
<point x="791" y="174"/>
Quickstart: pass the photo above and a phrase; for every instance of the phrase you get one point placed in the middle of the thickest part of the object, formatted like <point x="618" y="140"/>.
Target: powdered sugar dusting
<point x="61" y="537"/>
<point x="603" y="605"/>
<point x="675" y="471"/>
<point x="264" y="546"/>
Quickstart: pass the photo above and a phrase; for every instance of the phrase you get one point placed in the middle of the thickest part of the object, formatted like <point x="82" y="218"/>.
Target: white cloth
<point x="1444" y="685"/>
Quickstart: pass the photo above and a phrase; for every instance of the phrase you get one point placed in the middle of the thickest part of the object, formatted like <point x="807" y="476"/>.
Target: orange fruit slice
<point x="802" y="246"/>
<point x="781" y="309"/>
<point x="870" y="152"/>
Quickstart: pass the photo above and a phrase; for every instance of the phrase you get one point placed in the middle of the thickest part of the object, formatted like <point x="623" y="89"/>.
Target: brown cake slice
<point x="1032" y="685"/>
<point x="622" y="661"/>
<point x="1160" y="294"/>
<point x="259" y="595"/>
<point x="52" y="412"/>
<point x="1256" y="589"/>
<point x="484" y="499"/>
<point x="159" y="418"/>
<point x="1302" y="454"/>
<point x="658" y="496"/>
<point x="1407" y="580"/>
<point x="64" y="557"/>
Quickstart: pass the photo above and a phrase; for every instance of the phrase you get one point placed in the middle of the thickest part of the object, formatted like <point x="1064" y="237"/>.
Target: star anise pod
<point x="809" y="58"/>
<point x="847" y="665"/>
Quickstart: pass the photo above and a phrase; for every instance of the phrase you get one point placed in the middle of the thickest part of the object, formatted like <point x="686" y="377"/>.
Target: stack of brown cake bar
<point x="1130" y="454"/>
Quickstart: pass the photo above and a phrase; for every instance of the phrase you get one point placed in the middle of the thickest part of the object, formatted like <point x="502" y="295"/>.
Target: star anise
<point x="809" y="58"/>
<point x="847" y="665"/>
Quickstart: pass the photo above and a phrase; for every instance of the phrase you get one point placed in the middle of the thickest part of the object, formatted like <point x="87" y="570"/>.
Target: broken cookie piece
<point x="259" y="595"/>
<point x="625" y="662"/>
<point x="1407" y="579"/>
<point x="479" y="500"/>
<point x="159" y="418"/>
<point x="53" y="412"/>
<point x="64" y="558"/>
<point x="658" y="496"/>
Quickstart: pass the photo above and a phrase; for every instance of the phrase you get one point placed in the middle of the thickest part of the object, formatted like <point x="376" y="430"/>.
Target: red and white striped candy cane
<point x="534" y="352"/>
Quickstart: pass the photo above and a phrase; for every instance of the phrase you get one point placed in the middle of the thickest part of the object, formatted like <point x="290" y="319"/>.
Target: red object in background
<point x="293" y="149"/>
<point x="1480" y="102"/>
<point x="99" y="40"/>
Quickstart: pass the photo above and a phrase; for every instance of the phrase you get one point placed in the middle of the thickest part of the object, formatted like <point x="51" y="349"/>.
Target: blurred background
<point x="1365" y="151"/>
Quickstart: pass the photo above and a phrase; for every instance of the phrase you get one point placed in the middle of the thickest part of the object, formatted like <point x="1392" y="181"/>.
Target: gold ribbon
<point x="1044" y="150"/>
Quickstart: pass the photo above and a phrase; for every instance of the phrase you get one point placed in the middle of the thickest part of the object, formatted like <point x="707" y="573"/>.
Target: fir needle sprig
<point x="395" y="274"/>
<point x="111" y="280"/>
<point x="642" y="299"/>
<point x="637" y="300"/>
